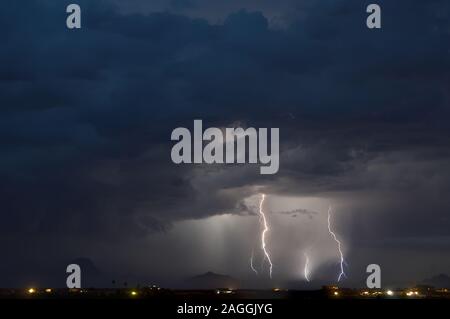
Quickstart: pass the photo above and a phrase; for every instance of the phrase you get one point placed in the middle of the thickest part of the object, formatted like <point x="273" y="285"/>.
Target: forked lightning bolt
<point x="263" y="234"/>
<point x="342" y="273"/>
<point x="306" y="270"/>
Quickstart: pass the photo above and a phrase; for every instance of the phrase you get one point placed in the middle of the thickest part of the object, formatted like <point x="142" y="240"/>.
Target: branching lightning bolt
<point x="342" y="261"/>
<point x="263" y="234"/>
<point x="306" y="270"/>
<point x="251" y="264"/>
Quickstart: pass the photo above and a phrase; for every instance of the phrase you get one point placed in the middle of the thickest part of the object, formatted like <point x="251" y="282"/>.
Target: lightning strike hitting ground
<point x="306" y="270"/>
<point x="251" y="264"/>
<point x="342" y="261"/>
<point x="263" y="234"/>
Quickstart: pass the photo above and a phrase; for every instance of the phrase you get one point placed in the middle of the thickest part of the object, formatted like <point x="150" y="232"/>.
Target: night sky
<point x="86" y="117"/>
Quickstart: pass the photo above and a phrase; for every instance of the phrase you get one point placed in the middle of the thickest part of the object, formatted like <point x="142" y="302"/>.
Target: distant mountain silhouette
<point x="210" y="280"/>
<point x="87" y="265"/>
<point x="438" y="281"/>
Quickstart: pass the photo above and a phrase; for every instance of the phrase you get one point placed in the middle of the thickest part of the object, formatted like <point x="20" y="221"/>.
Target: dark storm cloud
<point x="214" y="11"/>
<point x="299" y="211"/>
<point x="183" y="4"/>
<point x="86" y="115"/>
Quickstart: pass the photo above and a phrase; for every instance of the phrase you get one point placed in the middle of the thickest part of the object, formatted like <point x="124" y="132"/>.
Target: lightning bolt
<point x="251" y="264"/>
<point x="342" y="261"/>
<point x="306" y="270"/>
<point x="263" y="234"/>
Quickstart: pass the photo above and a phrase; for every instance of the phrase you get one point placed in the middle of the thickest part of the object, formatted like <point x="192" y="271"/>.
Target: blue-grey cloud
<point x="86" y="114"/>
